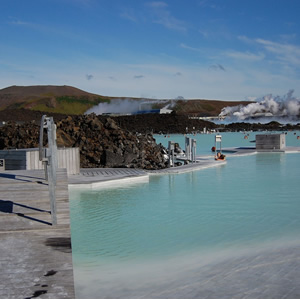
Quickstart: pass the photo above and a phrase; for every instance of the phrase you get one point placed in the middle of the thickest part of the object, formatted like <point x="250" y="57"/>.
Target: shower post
<point x="188" y="147"/>
<point x="48" y="156"/>
<point x="218" y="138"/>
<point x="171" y="153"/>
<point x="194" y="144"/>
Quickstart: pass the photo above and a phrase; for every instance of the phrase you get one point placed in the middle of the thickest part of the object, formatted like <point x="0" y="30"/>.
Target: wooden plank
<point x="36" y="257"/>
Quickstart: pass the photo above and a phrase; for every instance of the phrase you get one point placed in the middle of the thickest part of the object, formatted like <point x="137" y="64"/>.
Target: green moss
<point x="70" y="105"/>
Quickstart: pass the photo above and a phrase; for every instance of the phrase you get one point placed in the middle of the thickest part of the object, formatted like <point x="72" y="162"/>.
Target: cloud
<point x="157" y="4"/>
<point x="217" y="67"/>
<point x="129" y="15"/>
<point x="81" y="3"/>
<point x="47" y="30"/>
<point x="209" y="4"/>
<point x="154" y="78"/>
<point x="204" y="33"/>
<point x="245" y="39"/>
<point x="245" y="55"/>
<point x="19" y="23"/>
<point x="285" y="52"/>
<point x="164" y="17"/>
<point x="276" y="52"/>
<point x="89" y="76"/>
<point x="288" y="37"/>
<point x="184" y="46"/>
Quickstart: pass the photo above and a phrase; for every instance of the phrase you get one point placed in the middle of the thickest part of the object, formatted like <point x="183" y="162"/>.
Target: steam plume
<point x="117" y="106"/>
<point x="126" y="106"/>
<point x="286" y="107"/>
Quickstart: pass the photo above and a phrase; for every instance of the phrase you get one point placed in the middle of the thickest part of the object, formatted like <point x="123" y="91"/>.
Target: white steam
<point x="286" y="107"/>
<point x="116" y="106"/>
<point x="125" y="106"/>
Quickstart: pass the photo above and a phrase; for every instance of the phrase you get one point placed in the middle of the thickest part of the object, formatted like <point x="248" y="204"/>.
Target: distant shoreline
<point x="152" y="123"/>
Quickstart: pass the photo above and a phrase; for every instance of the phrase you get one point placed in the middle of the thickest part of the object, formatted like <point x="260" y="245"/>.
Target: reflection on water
<point x="123" y="237"/>
<point x="265" y="271"/>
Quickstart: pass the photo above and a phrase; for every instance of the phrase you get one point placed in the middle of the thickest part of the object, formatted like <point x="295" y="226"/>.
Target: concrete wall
<point x="270" y="141"/>
<point x="28" y="159"/>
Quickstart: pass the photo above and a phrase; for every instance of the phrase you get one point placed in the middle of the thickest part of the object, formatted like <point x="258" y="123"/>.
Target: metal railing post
<point x="194" y="143"/>
<point x="48" y="156"/>
<point x="171" y="153"/>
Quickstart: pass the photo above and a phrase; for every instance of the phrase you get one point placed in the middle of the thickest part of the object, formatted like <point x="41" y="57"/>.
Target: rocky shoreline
<point x="119" y="141"/>
<point x="152" y="123"/>
<point x="101" y="143"/>
<point x="173" y="123"/>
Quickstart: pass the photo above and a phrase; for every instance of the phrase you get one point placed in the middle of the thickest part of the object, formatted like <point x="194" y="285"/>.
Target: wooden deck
<point x="35" y="257"/>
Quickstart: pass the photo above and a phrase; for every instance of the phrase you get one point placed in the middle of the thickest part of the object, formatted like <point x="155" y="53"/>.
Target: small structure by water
<point x="270" y="141"/>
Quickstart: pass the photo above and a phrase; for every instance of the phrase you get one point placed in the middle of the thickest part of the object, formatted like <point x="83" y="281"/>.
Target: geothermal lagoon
<point x="231" y="231"/>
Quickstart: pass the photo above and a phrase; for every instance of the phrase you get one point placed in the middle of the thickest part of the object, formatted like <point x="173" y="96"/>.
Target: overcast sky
<point x="209" y="49"/>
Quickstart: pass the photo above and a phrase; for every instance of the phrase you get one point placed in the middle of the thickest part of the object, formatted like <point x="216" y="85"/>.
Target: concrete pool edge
<point x="109" y="177"/>
<point x="114" y="178"/>
<point x="111" y="182"/>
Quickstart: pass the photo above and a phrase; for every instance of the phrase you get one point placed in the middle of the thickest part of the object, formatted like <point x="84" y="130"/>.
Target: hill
<point x="69" y="100"/>
<point x="48" y="98"/>
<point x="204" y="108"/>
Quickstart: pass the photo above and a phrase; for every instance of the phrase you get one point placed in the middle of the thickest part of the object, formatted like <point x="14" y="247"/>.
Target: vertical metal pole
<point x="52" y="167"/>
<point x="218" y="138"/>
<point x="54" y="149"/>
<point x="52" y="196"/>
<point x="188" y="147"/>
<point x="42" y="151"/>
<point x="171" y="153"/>
<point x="193" y="150"/>
<point x="48" y="156"/>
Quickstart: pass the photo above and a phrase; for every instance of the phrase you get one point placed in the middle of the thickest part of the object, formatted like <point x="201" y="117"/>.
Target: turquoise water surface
<point x="121" y="235"/>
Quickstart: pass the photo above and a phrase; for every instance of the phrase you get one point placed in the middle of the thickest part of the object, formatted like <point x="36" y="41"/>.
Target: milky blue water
<point x="173" y="220"/>
<point x="229" y="139"/>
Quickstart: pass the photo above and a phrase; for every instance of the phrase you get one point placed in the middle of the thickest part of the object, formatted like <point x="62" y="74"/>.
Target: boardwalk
<point x="36" y="257"/>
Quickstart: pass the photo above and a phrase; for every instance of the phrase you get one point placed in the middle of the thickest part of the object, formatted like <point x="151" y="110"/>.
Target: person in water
<point x="220" y="156"/>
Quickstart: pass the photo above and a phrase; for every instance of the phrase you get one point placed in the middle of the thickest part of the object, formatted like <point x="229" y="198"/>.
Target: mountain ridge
<point x="49" y="98"/>
<point x="73" y="101"/>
